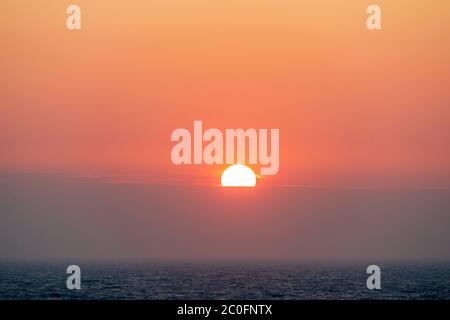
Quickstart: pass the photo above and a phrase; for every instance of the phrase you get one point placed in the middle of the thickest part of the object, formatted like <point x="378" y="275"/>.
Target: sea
<point x="287" y="281"/>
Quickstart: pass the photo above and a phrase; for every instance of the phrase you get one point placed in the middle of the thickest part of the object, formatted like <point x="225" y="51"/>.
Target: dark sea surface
<point x="223" y="281"/>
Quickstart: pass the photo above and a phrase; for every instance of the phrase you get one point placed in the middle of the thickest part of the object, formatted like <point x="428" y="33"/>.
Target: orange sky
<point x="353" y="106"/>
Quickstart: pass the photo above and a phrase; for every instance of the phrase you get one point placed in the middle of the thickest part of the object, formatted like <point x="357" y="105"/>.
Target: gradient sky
<point x="358" y="111"/>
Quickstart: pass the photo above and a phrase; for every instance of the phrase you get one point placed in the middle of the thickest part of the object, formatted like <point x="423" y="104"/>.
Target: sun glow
<point x="238" y="175"/>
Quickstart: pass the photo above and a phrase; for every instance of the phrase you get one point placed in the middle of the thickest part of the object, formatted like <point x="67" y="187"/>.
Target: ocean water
<point x="223" y="281"/>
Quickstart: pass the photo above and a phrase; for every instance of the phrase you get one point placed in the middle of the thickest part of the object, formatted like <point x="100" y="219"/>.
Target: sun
<point x="238" y="175"/>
